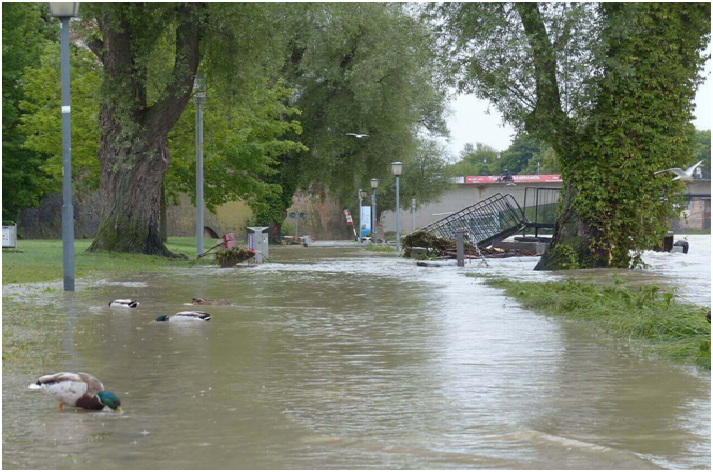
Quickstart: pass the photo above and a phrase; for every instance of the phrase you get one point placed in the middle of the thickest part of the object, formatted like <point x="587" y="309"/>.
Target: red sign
<point x="497" y="179"/>
<point x="348" y="215"/>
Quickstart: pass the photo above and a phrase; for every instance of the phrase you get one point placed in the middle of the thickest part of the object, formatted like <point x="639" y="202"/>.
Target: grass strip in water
<point x="666" y="327"/>
<point x="41" y="260"/>
<point x="381" y="248"/>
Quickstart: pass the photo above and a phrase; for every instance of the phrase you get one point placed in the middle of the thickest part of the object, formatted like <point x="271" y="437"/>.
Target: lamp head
<point x="363" y="193"/>
<point x="64" y="9"/>
<point x="374" y="183"/>
<point x="396" y="168"/>
<point x="199" y="88"/>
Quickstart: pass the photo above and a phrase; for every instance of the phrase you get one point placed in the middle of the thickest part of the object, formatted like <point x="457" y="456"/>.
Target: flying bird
<point x="357" y="135"/>
<point x="680" y="173"/>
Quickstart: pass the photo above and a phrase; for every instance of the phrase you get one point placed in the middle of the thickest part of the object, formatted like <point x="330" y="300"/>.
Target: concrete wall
<point x="461" y="196"/>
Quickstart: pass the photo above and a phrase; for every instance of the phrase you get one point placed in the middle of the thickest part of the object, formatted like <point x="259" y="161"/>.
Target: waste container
<point x="9" y="234"/>
<point x="258" y="239"/>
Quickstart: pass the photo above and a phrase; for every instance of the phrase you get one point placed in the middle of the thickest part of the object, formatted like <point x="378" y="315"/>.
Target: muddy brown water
<point x="340" y="358"/>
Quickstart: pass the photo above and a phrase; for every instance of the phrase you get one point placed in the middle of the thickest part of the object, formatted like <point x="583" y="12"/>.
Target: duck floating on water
<point x="78" y="390"/>
<point x="185" y="316"/>
<point x="208" y="301"/>
<point x="123" y="303"/>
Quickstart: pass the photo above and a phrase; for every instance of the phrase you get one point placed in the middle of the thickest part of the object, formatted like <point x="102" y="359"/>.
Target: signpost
<point x="350" y="222"/>
<point x="365" y="219"/>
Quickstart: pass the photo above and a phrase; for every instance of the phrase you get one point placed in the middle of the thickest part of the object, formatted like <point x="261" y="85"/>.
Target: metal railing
<point x="485" y="223"/>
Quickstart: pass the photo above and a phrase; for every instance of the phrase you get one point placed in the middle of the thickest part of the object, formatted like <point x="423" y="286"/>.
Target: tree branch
<point x="162" y="115"/>
<point x="547" y="119"/>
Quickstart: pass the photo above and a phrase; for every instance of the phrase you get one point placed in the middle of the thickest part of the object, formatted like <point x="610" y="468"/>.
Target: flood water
<point x="341" y="358"/>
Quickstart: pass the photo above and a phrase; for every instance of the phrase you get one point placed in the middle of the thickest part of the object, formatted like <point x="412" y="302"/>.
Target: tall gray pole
<point x="359" y="233"/>
<point x="460" y="256"/>
<point x="398" y="216"/>
<point x="413" y="214"/>
<point x="199" y="173"/>
<point x="67" y="207"/>
<point x="374" y="235"/>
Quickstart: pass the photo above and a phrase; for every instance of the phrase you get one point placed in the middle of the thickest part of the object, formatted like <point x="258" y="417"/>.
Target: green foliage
<point x="566" y="256"/>
<point x="424" y="178"/>
<point x="652" y="318"/>
<point x="609" y="86"/>
<point x="640" y="124"/>
<point x="521" y="157"/>
<point x="24" y="34"/>
<point x="361" y="68"/>
<point x="244" y="138"/>
<point x="42" y="124"/>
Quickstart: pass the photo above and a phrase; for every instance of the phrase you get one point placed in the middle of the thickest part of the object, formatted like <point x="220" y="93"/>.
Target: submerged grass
<point x="665" y="326"/>
<point x="41" y="260"/>
<point x="381" y="248"/>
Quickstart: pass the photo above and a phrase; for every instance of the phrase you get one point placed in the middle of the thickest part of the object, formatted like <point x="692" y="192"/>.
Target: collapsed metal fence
<point x="485" y="223"/>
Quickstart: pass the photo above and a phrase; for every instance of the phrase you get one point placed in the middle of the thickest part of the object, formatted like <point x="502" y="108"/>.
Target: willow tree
<point x="145" y="91"/>
<point x="357" y="67"/>
<point x="611" y="87"/>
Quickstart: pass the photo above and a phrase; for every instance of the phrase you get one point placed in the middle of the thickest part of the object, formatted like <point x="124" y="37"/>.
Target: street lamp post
<point x="413" y="214"/>
<point x="65" y="11"/>
<point x="374" y="232"/>
<point x="363" y="194"/>
<point x="199" y="99"/>
<point x="396" y="168"/>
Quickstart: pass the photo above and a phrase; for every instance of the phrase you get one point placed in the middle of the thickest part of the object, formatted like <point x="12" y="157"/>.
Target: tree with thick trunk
<point x="133" y="148"/>
<point x="610" y="87"/>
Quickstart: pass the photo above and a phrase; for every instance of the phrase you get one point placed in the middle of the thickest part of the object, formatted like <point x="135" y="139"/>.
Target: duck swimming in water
<point x="185" y="316"/>
<point x="78" y="390"/>
<point x="208" y="301"/>
<point x="123" y="303"/>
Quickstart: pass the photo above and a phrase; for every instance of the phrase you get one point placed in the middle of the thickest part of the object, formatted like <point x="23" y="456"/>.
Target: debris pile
<point x="424" y="244"/>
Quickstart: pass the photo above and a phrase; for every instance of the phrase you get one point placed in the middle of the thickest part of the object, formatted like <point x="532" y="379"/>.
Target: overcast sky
<point x="476" y="121"/>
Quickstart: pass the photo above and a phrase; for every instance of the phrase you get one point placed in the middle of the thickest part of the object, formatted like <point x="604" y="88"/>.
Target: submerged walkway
<point x="341" y="358"/>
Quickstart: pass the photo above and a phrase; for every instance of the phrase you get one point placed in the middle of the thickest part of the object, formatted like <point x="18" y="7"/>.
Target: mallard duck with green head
<point x="78" y="390"/>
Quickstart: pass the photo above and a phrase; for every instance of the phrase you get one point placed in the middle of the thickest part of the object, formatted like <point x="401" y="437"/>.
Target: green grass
<point x="41" y="260"/>
<point x="657" y="320"/>
<point x="381" y="248"/>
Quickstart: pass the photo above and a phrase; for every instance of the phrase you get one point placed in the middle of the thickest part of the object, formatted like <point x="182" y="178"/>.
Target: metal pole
<point x="359" y="234"/>
<point x="67" y="207"/>
<point x="373" y="217"/>
<point x="459" y="248"/>
<point x="398" y="216"/>
<point x="413" y="214"/>
<point x="199" y="176"/>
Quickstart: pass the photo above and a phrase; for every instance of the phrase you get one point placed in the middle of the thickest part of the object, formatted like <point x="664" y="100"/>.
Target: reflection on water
<point x="335" y="357"/>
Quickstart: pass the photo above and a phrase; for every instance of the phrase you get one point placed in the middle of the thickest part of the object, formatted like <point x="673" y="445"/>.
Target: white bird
<point x="680" y="173"/>
<point x="123" y="303"/>
<point x="357" y="135"/>
<point x="186" y="316"/>
<point x="79" y="390"/>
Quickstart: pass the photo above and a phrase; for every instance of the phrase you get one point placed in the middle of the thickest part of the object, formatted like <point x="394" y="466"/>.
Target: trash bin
<point x="9" y="234"/>
<point x="258" y="239"/>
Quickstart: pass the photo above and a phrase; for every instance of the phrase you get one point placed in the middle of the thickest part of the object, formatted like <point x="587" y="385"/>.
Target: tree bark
<point x="571" y="245"/>
<point x="133" y="148"/>
<point x="163" y="216"/>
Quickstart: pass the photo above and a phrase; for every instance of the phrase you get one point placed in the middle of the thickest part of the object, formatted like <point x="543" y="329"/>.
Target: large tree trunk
<point x="131" y="197"/>
<point x="133" y="150"/>
<point x="163" y="216"/>
<point x="571" y="246"/>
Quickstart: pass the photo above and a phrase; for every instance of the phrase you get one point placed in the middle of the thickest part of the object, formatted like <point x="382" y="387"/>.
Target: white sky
<point x="476" y="121"/>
